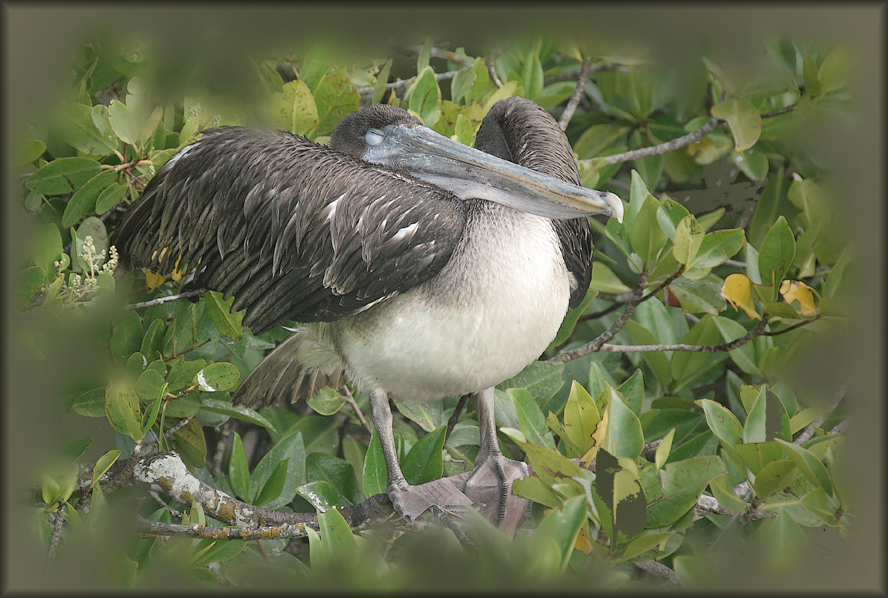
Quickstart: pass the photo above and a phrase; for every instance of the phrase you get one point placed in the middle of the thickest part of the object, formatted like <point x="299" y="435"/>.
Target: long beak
<point x="472" y="174"/>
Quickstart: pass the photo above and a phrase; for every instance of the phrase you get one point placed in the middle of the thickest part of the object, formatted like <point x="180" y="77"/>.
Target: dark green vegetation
<point x="730" y="235"/>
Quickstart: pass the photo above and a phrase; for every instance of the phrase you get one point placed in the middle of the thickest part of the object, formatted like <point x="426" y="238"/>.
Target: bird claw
<point x="412" y="501"/>
<point x="490" y="485"/>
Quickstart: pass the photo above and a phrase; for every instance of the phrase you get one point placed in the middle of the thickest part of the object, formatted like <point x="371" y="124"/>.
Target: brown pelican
<point x="421" y="268"/>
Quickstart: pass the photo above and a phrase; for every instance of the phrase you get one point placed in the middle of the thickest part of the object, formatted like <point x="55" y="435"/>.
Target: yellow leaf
<point x="738" y="291"/>
<point x="583" y="543"/>
<point x="793" y="290"/>
<point x="153" y="280"/>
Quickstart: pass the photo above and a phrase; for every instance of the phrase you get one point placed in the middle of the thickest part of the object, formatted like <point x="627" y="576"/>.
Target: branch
<point x="492" y="71"/>
<point x="167" y="299"/>
<point x="367" y="92"/>
<point x="568" y="74"/>
<point x="656" y="150"/>
<point x="808" y="433"/>
<point x="627" y="297"/>
<point x="658" y="569"/>
<point x="605" y="336"/>
<point x="575" y="97"/>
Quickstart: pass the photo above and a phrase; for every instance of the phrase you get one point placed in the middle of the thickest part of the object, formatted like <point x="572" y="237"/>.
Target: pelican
<point x="419" y="267"/>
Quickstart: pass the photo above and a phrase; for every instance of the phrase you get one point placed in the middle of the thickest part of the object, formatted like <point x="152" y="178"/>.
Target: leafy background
<point x="30" y="87"/>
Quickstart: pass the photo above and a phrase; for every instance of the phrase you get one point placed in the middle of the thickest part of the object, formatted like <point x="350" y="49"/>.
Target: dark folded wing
<point x="292" y="229"/>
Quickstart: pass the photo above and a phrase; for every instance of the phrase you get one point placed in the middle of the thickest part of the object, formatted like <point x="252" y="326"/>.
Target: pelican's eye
<point x="374" y="137"/>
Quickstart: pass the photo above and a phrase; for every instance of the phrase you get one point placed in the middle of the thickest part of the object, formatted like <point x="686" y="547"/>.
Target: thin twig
<point x="167" y="299"/>
<point x="605" y="336"/>
<point x="492" y="71"/>
<point x="628" y="297"/>
<point x="779" y="111"/>
<point x="663" y="148"/>
<point x="181" y="424"/>
<point x="658" y="569"/>
<point x="350" y="399"/>
<point x="575" y="97"/>
<point x="571" y="73"/>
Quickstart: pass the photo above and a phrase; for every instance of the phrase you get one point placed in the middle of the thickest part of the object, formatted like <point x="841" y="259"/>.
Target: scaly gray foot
<point x="412" y="501"/>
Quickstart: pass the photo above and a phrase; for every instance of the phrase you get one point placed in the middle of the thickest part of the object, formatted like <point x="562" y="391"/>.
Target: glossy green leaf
<point x="562" y="526"/>
<point x="327" y="401"/>
<point x="274" y="484"/>
<point x="323" y="496"/>
<point x="381" y="81"/>
<point x="123" y="122"/>
<point x="338" y="472"/>
<point x="743" y="119"/>
<point x="236" y="411"/>
<point x="122" y="409"/>
<point x="751" y="163"/>
<point x="623" y="436"/>
<point x="191" y="444"/>
<point x="425" y="461"/>
<point x="239" y="470"/>
<point x="669" y="215"/>
<point x="673" y="490"/>
<point x="424" y="97"/>
<point x="219" y="551"/>
<point x="724" y="494"/>
<point x="429" y="415"/>
<point x="109" y="197"/>
<point x="374" y="474"/>
<point x="126" y="337"/>
<point x="336" y="537"/>
<point x="63" y="175"/>
<point x="688" y="239"/>
<point x="688" y="366"/>
<point x="659" y="362"/>
<point x="645" y="234"/>
<point x="150" y="385"/>
<point x="290" y="447"/>
<point x="222" y="376"/>
<point x="809" y="464"/>
<point x="663" y="450"/>
<point x="530" y="418"/>
<point x="103" y="464"/>
<point x="78" y="128"/>
<point x="776" y="255"/>
<point x="227" y="323"/>
<point x="598" y="138"/>
<point x="773" y="477"/>
<point x="335" y="98"/>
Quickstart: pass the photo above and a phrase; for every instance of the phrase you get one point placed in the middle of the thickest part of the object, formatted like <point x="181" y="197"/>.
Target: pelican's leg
<point x="409" y="501"/>
<point x="490" y="458"/>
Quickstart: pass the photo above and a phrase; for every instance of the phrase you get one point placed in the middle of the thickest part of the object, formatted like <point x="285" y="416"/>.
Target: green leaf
<point x="530" y="418"/>
<point x="339" y="544"/>
<point x="382" y="81"/>
<point x="623" y="436"/>
<point x="812" y="75"/>
<point x="327" y="401"/>
<point x="227" y="323"/>
<point x="222" y="376"/>
<point x="126" y="337"/>
<point x="669" y="215"/>
<point x="834" y="69"/>
<point x="810" y="465"/>
<point x="103" y="464"/>
<point x="542" y="379"/>
<point x="719" y="246"/>
<point x="335" y="98"/>
<point x="237" y="412"/>
<point x="219" y="551"/>
<point x="239" y="470"/>
<point x="743" y="119"/>
<point x="723" y="492"/>
<point x="425" y="461"/>
<point x="290" y="448"/>
<point x="63" y="175"/>
<point x="673" y="491"/>
<point x="78" y="128"/>
<point x="123" y="122"/>
<point x="274" y="485"/>
<point x="532" y="73"/>
<point x="123" y="411"/>
<point x="598" y="138"/>
<point x="659" y="362"/>
<point x="30" y="281"/>
<point x="688" y="239"/>
<point x="323" y="496"/>
<point x="150" y="385"/>
<point x="91" y="403"/>
<point x="698" y="296"/>
<point x="109" y="197"/>
<point x="776" y="255"/>
<point x="722" y="422"/>
<point x="29" y="150"/>
<point x="191" y="444"/>
<point x="688" y="366"/>
<point x="294" y="108"/>
<point x="645" y="234"/>
<point x="663" y="450"/>
<point x="571" y="318"/>
<point x="74" y="450"/>
<point x="429" y="415"/>
<point x="424" y="97"/>
<point x="752" y="163"/>
<point x="374" y="475"/>
<point x="337" y="472"/>
<point x="773" y="477"/>
<point x="48" y="250"/>
<point x="561" y="526"/>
